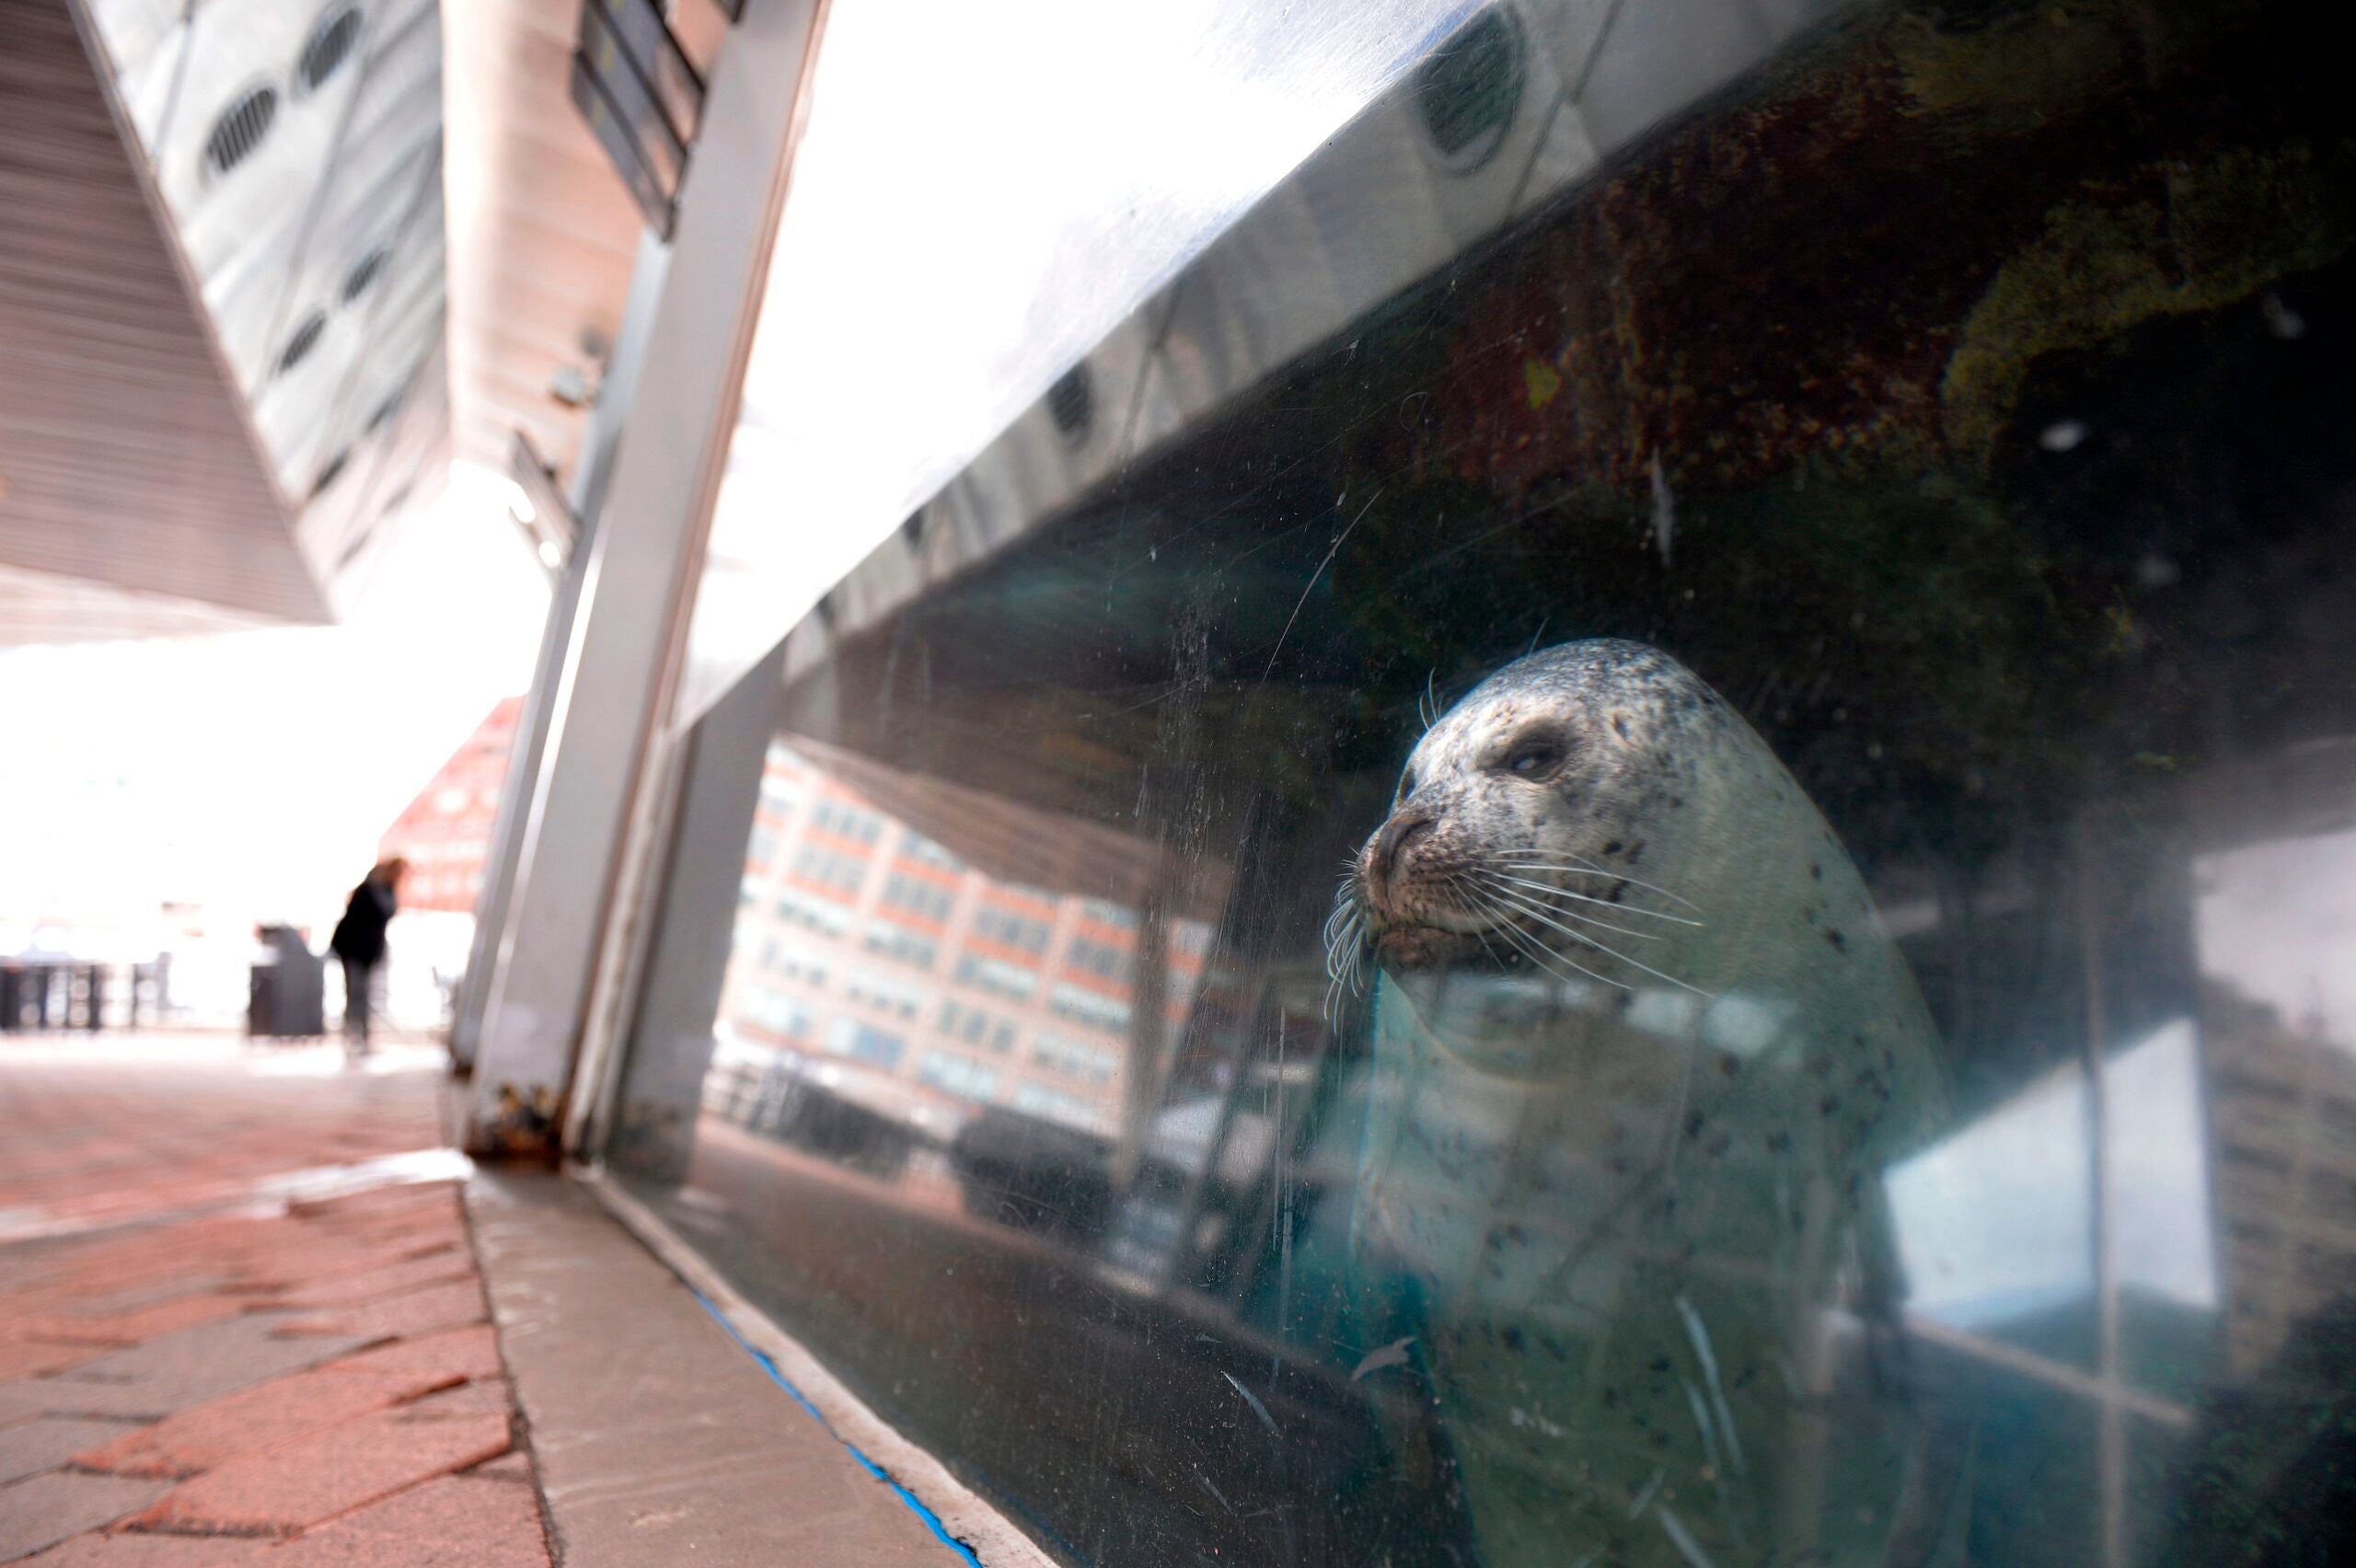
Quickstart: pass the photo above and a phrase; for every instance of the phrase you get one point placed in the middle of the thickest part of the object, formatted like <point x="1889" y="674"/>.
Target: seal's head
<point x="1638" y="1054"/>
<point x="1518" y="835"/>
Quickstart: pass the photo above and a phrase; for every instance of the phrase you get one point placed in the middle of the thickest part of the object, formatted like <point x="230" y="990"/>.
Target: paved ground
<point x="240" y="1317"/>
<point x="92" y="1128"/>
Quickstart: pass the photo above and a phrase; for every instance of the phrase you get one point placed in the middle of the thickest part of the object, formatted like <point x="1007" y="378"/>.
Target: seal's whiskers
<point x="1341" y="945"/>
<point x="1588" y="919"/>
<point x="1534" y="911"/>
<point x="1574" y="863"/>
<point x="1548" y="960"/>
<point x="1345" y="946"/>
<point x="1483" y="937"/>
<point x="1586" y="898"/>
<point x="1586" y="864"/>
<point x="1345" y="909"/>
<point x="1482" y="903"/>
<point x="1478" y="901"/>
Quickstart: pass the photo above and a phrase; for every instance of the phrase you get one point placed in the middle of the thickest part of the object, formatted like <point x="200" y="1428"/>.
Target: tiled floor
<point x="195" y="1371"/>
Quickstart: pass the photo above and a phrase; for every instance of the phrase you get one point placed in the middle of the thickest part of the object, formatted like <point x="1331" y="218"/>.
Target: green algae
<point x="2206" y="235"/>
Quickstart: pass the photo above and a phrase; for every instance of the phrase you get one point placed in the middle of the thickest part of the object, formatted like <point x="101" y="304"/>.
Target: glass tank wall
<point x="1632" y="841"/>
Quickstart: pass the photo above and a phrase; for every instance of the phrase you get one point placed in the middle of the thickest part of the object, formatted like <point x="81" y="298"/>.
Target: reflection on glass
<point x="890" y="1001"/>
<point x="1097" y="145"/>
<point x="1814" y="632"/>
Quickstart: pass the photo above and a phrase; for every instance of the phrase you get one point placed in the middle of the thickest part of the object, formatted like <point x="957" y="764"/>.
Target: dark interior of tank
<point x="1960" y="396"/>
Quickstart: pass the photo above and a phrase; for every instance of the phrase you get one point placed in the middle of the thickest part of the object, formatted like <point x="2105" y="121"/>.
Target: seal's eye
<point x="1408" y="783"/>
<point x="1532" y="758"/>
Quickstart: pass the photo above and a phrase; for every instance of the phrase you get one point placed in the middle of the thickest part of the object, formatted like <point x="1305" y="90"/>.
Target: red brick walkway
<point x="95" y="1127"/>
<point x="191" y="1378"/>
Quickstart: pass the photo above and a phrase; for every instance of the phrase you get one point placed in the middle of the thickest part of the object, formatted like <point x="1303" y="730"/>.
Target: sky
<point x="1996" y="1220"/>
<point x="2278" y="920"/>
<point x="252" y="772"/>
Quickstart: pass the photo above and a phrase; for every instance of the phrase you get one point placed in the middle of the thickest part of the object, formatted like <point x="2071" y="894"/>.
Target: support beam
<point x="614" y="685"/>
<point x="591" y="474"/>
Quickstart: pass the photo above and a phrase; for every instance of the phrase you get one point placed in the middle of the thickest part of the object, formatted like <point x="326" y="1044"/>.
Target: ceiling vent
<point x="364" y="272"/>
<point x="332" y="472"/>
<point x="330" y="45"/>
<point x="239" y="130"/>
<point x="1467" y="93"/>
<point x="1071" y="402"/>
<point x="306" y="338"/>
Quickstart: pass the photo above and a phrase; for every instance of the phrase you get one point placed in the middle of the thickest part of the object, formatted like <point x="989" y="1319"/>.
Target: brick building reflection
<point x="2283" y="1121"/>
<point x="928" y="982"/>
<point x="2277" y="925"/>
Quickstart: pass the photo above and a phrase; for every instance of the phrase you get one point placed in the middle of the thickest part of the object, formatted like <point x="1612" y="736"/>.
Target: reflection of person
<point x="359" y="941"/>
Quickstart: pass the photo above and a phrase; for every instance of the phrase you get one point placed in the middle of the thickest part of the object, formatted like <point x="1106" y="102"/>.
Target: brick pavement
<point x="196" y="1371"/>
<point x="107" y="1126"/>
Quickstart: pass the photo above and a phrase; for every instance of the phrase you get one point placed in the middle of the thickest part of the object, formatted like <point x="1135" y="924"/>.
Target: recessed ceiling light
<point x="1467" y="92"/>
<point x="300" y="343"/>
<point x="364" y="272"/>
<point x="1071" y="403"/>
<point x="2063" y="436"/>
<point x="328" y="47"/>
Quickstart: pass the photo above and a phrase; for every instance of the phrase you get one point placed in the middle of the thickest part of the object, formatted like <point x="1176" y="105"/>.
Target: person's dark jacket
<point x="360" y="935"/>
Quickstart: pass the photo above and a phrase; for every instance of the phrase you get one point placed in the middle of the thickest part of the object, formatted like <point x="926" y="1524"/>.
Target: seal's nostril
<point x="1393" y="841"/>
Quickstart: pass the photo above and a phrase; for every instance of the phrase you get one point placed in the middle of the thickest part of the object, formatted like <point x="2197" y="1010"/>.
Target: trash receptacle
<point x="287" y="993"/>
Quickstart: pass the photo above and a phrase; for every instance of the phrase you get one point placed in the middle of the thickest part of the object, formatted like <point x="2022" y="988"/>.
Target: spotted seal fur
<point x="1642" y="1050"/>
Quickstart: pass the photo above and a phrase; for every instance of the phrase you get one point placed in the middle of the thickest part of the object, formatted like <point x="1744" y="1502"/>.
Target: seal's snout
<point x="1401" y="831"/>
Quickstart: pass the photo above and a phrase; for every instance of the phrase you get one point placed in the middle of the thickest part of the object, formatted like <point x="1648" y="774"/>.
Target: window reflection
<point x="2277" y="928"/>
<point x="1997" y="1221"/>
<point x="1959" y="398"/>
<point x="1006" y="997"/>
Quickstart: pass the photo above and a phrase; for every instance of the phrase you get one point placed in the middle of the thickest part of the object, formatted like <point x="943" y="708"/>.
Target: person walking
<point x="359" y="943"/>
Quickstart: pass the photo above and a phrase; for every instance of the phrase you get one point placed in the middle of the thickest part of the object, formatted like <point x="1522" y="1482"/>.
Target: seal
<point x="1641" y="1049"/>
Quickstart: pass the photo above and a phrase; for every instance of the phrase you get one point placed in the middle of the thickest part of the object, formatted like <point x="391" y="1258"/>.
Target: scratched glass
<point x="1631" y="841"/>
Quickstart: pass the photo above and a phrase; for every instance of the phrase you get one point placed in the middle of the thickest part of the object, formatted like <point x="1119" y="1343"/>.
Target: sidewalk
<point x="235" y="1325"/>
<point x="118" y="1125"/>
<point x="243" y="1321"/>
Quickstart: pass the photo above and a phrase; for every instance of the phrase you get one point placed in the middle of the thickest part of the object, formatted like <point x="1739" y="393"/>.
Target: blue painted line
<point x="915" y="1504"/>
